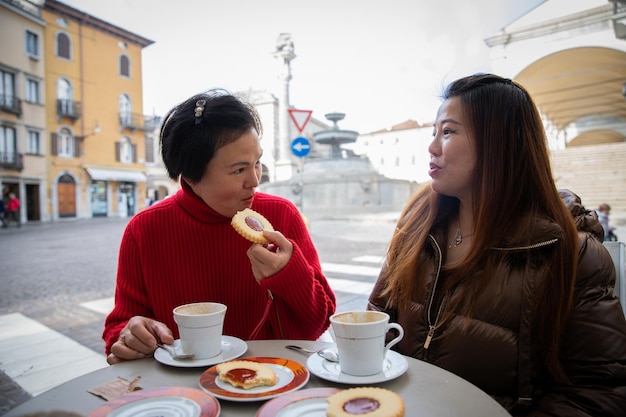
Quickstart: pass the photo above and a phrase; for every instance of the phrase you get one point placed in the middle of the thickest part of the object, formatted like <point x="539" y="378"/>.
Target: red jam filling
<point x="254" y="224"/>
<point x="240" y="375"/>
<point x="361" y="406"/>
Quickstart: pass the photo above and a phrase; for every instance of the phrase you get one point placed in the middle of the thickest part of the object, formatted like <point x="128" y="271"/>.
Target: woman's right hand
<point x="138" y="339"/>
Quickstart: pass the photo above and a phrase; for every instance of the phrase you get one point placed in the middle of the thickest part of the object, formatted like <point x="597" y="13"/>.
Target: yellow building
<point x="96" y="129"/>
<point x="22" y="113"/>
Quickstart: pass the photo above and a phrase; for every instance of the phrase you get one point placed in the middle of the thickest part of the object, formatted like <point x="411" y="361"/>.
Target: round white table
<point x="426" y="389"/>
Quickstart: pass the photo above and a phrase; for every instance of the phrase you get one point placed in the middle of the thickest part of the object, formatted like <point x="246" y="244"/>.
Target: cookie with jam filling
<point x="250" y="224"/>
<point x="365" y="402"/>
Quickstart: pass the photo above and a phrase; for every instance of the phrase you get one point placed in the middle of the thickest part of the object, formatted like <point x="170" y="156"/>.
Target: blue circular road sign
<point x="300" y="147"/>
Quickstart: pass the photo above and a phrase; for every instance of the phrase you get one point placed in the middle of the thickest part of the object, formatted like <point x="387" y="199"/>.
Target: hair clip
<point x="198" y="110"/>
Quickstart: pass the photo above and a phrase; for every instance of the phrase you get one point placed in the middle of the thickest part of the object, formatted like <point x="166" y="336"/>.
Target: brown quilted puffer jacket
<point x="492" y="350"/>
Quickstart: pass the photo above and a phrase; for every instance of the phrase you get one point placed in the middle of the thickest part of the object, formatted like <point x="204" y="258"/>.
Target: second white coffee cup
<point x="360" y="337"/>
<point x="200" y="327"/>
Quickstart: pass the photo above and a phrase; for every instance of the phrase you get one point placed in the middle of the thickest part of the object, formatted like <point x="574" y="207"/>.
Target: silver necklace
<point x="458" y="237"/>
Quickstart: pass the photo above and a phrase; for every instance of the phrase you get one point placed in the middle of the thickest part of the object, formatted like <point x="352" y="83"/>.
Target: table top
<point x="424" y="387"/>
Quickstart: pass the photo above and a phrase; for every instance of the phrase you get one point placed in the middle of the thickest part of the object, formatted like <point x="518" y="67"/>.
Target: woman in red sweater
<point x="183" y="249"/>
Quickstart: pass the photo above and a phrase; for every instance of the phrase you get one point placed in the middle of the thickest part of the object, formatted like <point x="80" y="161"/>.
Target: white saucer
<point x="232" y="348"/>
<point x="395" y="365"/>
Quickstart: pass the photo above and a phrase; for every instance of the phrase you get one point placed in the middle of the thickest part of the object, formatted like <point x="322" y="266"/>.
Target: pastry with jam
<point x="246" y="374"/>
<point x="365" y="402"/>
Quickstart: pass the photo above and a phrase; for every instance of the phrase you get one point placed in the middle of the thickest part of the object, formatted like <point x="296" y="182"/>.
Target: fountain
<point x="335" y="137"/>
<point x="333" y="182"/>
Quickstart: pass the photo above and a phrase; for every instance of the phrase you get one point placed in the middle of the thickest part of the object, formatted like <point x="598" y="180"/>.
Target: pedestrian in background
<point x="497" y="276"/>
<point x="604" y="210"/>
<point x="2" y="212"/>
<point x="13" y="210"/>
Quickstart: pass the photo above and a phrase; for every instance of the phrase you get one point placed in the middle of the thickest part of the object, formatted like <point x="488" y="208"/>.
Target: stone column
<point x="284" y="166"/>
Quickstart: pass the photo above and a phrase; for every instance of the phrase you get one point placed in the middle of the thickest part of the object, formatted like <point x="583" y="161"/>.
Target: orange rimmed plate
<point x="179" y="401"/>
<point x="306" y="402"/>
<point x="291" y="376"/>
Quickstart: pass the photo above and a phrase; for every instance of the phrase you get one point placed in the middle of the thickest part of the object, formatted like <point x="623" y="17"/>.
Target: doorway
<point x="126" y="199"/>
<point x="66" y="196"/>
<point x="33" y="211"/>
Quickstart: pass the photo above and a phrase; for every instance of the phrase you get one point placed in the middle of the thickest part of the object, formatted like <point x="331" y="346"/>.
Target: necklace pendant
<point x="458" y="238"/>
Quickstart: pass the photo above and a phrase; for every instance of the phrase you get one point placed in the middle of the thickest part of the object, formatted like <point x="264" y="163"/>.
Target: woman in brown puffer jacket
<point x="493" y="277"/>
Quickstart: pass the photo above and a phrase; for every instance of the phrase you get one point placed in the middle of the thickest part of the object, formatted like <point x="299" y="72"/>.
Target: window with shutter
<point x="54" y="141"/>
<point x="66" y="147"/>
<point x="64" y="49"/>
<point x="78" y="141"/>
<point x="149" y="149"/>
<point x="124" y="66"/>
<point x="126" y="151"/>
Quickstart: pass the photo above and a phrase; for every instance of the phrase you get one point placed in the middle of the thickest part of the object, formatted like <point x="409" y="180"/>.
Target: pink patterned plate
<point x="306" y="402"/>
<point x="179" y="401"/>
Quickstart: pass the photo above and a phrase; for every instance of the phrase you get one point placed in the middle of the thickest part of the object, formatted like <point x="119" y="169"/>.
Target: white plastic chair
<point x="616" y="249"/>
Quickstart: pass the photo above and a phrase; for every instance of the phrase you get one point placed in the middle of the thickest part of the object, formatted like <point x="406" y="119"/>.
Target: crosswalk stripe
<point x="102" y="306"/>
<point x="348" y="286"/>
<point x="377" y="260"/>
<point x="39" y="358"/>
<point x="369" y="271"/>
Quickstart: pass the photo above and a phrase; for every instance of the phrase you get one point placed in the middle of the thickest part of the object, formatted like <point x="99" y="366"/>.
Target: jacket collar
<point x="542" y="232"/>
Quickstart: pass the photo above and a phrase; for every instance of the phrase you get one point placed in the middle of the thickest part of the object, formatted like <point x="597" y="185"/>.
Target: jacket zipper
<point x="433" y="325"/>
<point x="527" y="247"/>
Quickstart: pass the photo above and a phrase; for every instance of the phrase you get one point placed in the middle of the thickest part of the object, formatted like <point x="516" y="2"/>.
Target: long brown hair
<point x="512" y="180"/>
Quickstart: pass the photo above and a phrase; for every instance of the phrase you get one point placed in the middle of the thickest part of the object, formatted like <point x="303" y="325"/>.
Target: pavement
<point x="50" y="334"/>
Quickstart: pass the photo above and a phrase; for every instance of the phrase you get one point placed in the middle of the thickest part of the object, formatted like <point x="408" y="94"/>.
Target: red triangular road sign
<point x="300" y="117"/>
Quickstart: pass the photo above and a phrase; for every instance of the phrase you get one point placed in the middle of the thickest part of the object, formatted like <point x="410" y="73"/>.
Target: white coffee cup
<point x="360" y="337"/>
<point x="200" y="327"/>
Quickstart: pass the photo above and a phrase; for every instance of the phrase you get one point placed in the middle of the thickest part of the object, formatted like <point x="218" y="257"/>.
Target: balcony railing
<point x="68" y="108"/>
<point x="27" y="6"/>
<point x="136" y="121"/>
<point x="10" y="104"/>
<point x="11" y="160"/>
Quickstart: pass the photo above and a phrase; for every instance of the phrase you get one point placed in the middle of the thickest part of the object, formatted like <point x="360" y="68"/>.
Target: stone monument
<point x="283" y="164"/>
<point x="334" y="182"/>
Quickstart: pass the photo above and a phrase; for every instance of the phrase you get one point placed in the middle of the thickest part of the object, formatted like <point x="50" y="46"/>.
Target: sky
<point x="381" y="62"/>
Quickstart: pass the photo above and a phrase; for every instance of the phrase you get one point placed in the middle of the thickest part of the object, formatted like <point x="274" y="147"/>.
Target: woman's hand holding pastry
<point x="266" y="260"/>
<point x="138" y="339"/>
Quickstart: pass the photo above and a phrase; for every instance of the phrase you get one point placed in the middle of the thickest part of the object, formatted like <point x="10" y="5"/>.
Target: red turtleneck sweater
<point x="181" y="251"/>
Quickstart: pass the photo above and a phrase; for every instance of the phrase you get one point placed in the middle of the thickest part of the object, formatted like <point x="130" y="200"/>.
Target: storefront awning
<point x="116" y="175"/>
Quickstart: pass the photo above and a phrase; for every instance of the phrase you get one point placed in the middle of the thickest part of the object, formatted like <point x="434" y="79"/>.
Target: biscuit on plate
<point x="246" y="374"/>
<point x="365" y="402"/>
<point x="250" y="224"/>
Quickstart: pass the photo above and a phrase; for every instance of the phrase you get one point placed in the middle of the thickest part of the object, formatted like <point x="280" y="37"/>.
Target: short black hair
<point x="189" y="142"/>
